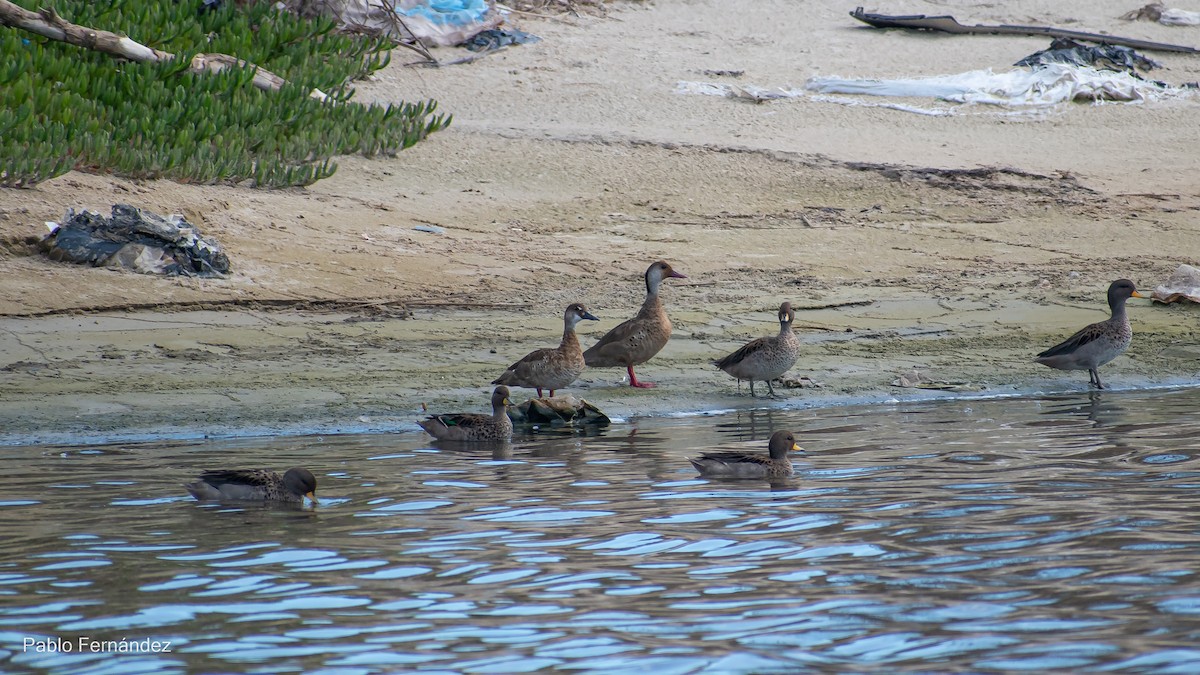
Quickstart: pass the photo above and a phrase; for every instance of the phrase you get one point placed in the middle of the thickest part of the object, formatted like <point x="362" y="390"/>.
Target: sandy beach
<point x="959" y="245"/>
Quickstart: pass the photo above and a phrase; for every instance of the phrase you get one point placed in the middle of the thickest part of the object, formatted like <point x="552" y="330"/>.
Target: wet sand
<point x="960" y="246"/>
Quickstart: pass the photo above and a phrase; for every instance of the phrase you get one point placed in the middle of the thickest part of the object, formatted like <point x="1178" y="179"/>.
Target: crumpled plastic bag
<point x="137" y="240"/>
<point x="433" y="22"/>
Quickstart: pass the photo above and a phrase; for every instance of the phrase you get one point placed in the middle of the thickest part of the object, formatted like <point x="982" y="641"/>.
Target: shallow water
<point x="1057" y="533"/>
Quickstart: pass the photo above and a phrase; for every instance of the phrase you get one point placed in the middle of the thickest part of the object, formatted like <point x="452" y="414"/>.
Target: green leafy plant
<point x="63" y="107"/>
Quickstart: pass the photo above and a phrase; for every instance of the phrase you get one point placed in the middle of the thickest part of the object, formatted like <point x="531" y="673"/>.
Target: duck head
<point x="575" y="313"/>
<point x="500" y="398"/>
<point x="657" y="272"/>
<point x="786" y="313"/>
<point x="782" y="442"/>
<point x="301" y="482"/>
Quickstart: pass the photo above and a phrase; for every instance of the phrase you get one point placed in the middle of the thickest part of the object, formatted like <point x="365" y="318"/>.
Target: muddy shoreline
<point x="956" y="246"/>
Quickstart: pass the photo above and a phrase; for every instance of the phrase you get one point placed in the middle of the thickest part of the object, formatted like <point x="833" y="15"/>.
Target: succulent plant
<point x="63" y="108"/>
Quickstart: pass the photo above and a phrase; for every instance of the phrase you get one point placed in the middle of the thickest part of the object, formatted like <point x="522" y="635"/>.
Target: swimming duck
<point x="259" y="485"/>
<point x="551" y="368"/>
<point x="738" y="464"/>
<point x="1098" y="343"/>
<point x="765" y="358"/>
<point x="637" y="340"/>
<point x="472" y="426"/>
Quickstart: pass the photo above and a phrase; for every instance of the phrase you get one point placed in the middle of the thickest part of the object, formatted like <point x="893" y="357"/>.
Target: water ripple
<point x="1020" y="535"/>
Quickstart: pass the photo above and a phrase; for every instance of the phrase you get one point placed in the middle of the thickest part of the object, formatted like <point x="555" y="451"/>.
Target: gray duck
<point x="637" y="340"/>
<point x="1097" y="343"/>
<point x="739" y="464"/>
<point x="473" y="426"/>
<point x="765" y="358"/>
<point x="551" y="368"/>
<point x="258" y="485"/>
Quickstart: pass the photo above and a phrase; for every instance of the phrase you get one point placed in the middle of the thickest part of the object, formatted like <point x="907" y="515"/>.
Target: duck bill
<point x="589" y="316"/>
<point x="796" y="448"/>
<point x="677" y="275"/>
<point x="1139" y="294"/>
<point x="313" y="497"/>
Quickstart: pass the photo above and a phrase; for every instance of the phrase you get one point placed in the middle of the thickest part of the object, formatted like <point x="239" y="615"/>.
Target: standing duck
<point x="637" y="340"/>
<point x="1098" y="343"/>
<point x="472" y="426"/>
<point x="258" y="485"/>
<point x="551" y="368"/>
<point x="738" y="464"/>
<point x="765" y="358"/>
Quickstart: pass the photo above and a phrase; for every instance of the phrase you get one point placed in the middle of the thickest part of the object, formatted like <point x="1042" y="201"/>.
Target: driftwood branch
<point x="49" y="24"/>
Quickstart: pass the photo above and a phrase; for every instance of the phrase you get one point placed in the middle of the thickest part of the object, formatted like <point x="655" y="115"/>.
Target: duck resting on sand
<point x="1097" y="343"/>
<point x="738" y="464"/>
<point x="637" y="340"/>
<point x="765" y="358"/>
<point x="551" y="368"/>
<point x="257" y="485"/>
<point x="473" y="426"/>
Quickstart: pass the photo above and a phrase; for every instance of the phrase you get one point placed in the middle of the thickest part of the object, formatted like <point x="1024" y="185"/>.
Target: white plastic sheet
<point x="1015" y="90"/>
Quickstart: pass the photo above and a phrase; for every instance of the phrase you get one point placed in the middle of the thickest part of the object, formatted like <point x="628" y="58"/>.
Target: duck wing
<point x="535" y="356"/>
<point x="462" y="420"/>
<point x="743" y="353"/>
<point x="737" y="457"/>
<point x="246" y="477"/>
<point x="1087" y="334"/>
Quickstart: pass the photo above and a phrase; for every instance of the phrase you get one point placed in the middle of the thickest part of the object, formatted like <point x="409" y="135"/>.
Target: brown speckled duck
<point x="738" y="464"/>
<point x="1098" y="343"/>
<point x="472" y="426"/>
<point x="551" y="368"/>
<point x="258" y="485"/>
<point x="637" y="340"/>
<point x="765" y="358"/>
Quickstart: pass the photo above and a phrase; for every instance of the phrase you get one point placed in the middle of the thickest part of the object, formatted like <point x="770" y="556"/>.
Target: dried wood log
<point x="47" y="23"/>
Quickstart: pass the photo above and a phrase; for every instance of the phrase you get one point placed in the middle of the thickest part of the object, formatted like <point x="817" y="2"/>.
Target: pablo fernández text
<point x="89" y="645"/>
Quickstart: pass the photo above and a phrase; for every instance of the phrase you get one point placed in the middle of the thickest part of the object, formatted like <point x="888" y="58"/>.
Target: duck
<point x="739" y="464"/>
<point x="637" y="340"/>
<point x="765" y="358"/>
<point x="1098" y="343"/>
<point x="473" y="426"/>
<point x="549" y="368"/>
<point x="257" y="485"/>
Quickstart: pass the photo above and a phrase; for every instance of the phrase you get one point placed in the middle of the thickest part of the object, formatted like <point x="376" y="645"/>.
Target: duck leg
<point x="551" y="393"/>
<point x="771" y="389"/>
<point x="539" y="390"/>
<point x="1094" y="378"/>
<point x="751" y="388"/>
<point x="633" y="381"/>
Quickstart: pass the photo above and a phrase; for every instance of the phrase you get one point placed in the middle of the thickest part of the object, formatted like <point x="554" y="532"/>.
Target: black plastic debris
<point x="137" y="240"/>
<point x="1101" y="57"/>
<point x="495" y="38"/>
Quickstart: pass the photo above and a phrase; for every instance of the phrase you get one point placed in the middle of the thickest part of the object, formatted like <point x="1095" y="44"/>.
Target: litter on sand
<point x="1043" y="86"/>
<point x="137" y="240"/>
<point x="495" y="38"/>
<point x="1184" y="285"/>
<point x="1160" y="13"/>
<point x="1067" y="71"/>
